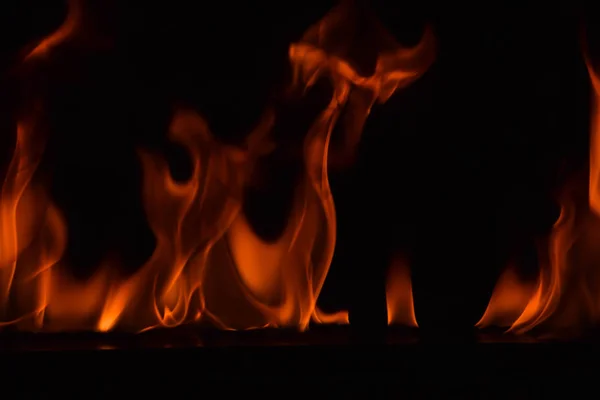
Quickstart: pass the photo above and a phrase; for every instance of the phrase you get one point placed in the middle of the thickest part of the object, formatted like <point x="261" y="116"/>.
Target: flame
<point x="508" y="300"/>
<point x="399" y="298"/>
<point x="534" y="304"/>
<point x="327" y="48"/>
<point x="594" y="182"/>
<point x="561" y="301"/>
<point x="69" y="28"/>
<point x="208" y="263"/>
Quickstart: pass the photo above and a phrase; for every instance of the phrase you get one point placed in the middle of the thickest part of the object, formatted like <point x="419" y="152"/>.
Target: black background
<point x="459" y="171"/>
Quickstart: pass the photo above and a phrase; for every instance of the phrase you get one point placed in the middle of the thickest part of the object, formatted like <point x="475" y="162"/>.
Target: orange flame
<point x="208" y="262"/>
<point x="561" y="302"/>
<point x="399" y="298"/>
<point x="508" y="300"/>
<point x="328" y="47"/>
<point x="67" y="30"/>
<point x="594" y="182"/>
<point x="325" y="49"/>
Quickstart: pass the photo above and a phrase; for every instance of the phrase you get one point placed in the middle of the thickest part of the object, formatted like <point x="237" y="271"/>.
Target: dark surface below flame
<point x="323" y="362"/>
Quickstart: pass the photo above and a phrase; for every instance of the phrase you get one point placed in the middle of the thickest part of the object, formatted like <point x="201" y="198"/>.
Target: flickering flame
<point x="508" y="301"/>
<point x="562" y="301"/>
<point x="535" y="304"/>
<point x="67" y="30"/>
<point x="341" y="44"/>
<point x="208" y="262"/>
<point x="594" y="182"/>
<point x="400" y="306"/>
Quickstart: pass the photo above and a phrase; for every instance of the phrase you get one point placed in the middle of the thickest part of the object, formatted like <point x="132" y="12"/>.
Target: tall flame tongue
<point x="208" y="261"/>
<point x="594" y="182"/>
<point x="343" y="45"/>
<point x="33" y="234"/>
<point x="562" y="301"/>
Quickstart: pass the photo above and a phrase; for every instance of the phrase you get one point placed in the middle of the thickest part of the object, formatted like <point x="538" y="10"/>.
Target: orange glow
<point x="208" y="263"/>
<point x="400" y="306"/>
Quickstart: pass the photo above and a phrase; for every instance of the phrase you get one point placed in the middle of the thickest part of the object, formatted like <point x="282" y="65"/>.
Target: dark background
<point x="459" y="171"/>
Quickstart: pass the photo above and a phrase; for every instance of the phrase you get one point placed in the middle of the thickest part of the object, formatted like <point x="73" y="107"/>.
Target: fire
<point x="208" y="263"/>
<point x="400" y="306"/>
<point x="562" y="301"/>
<point x="70" y="27"/>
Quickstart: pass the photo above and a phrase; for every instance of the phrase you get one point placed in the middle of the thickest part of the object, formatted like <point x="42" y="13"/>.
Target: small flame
<point x="400" y="305"/>
<point x="208" y="262"/>
<point x="524" y="305"/>
<point x="509" y="299"/>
